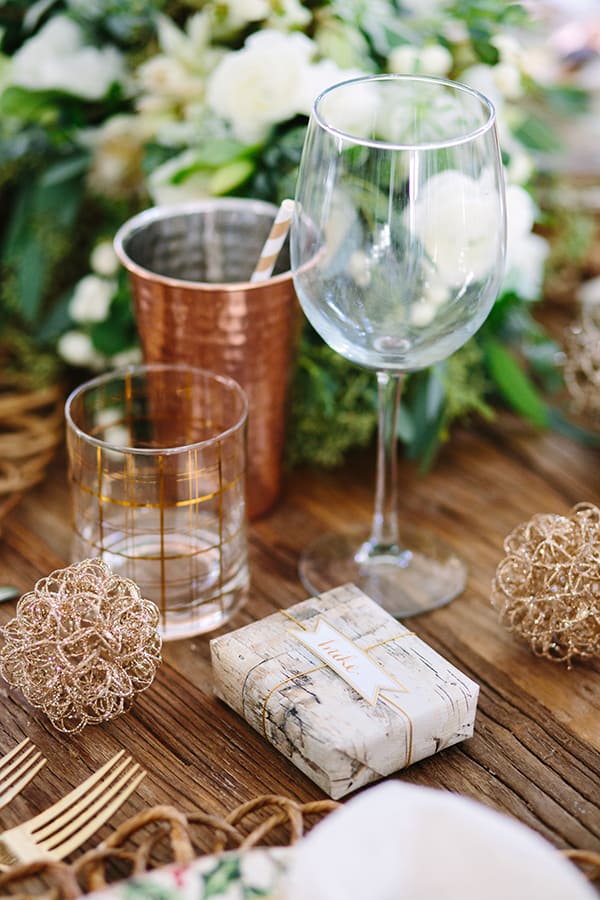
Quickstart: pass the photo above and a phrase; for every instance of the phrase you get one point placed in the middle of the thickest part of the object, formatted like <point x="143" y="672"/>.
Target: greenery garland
<point x="78" y="157"/>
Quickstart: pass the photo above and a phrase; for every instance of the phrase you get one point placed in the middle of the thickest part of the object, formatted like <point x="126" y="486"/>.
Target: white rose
<point x="261" y="84"/>
<point x="403" y="59"/>
<point x="521" y="212"/>
<point x="508" y="47"/>
<point x="76" y="348"/>
<point x="319" y="76"/>
<point x="104" y="260"/>
<point x="165" y="76"/>
<point x="455" y="222"/>
<point x="507" y="79"/>
<point x="435" y="60"/>
<point x="289" y="14"/>
<point x="56" y="58"/>
<point x="520" y="168"/>
<point x="525" y="266"/>
<point x="241" y="12"/>
<point x="91" y="299"/>
<point x="355" y="118"/>
<point x="526" y="253"/>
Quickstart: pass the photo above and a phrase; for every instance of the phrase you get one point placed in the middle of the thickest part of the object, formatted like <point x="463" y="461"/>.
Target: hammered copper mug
<point x="189" y="267"/>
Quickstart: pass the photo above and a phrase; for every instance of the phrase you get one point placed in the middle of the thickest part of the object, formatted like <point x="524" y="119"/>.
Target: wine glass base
<point x="424" y="574"/>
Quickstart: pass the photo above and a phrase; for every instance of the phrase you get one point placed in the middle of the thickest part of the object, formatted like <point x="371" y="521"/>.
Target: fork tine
<point x="15" y="750"/>
<point x="65" y="803"/>
<point x="16" y="762"/>
<point x="28" y="771"/>
<point x="71" y="811"/>
<point x="85" y="831"/>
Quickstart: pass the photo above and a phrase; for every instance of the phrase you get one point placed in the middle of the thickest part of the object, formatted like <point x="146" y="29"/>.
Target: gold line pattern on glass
<point x="158" y="480"/>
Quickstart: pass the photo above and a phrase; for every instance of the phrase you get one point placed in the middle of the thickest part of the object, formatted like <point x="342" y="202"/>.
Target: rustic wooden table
<point x="536" y="749"/>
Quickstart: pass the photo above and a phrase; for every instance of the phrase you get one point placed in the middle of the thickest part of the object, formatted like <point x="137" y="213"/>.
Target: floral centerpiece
<point x="106" y="108"/>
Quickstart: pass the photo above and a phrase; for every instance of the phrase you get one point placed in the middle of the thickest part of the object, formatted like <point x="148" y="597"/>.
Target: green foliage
<point x="216" y="881"/>
<point x="37" y="235"/>
<point x="118" y="331"/>
<point x="333" y="407"/>
<point x="515" y="387"/>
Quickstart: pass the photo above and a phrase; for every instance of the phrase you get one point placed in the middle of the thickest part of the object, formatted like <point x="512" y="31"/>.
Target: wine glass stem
<point x="384" y="534"/>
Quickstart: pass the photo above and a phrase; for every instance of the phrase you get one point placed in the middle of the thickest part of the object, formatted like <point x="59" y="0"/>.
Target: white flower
<point x="431" y="60"/>
<point x="525" y="267"/>
<point x="422" y="313"/>
<point x="165" y="76"/>
<point x="130" y="357"/>
<point x="240" y="12"/>
<point x="57" y="58"/>
<point x="321" y="75"/>
<point x="261" y="84"/>
<point x="457" y="225"/>
<point x="403" y="59"/>
<point x="76" y="348"/>
<point x="526" y="253"/>
<point x="435" y="60"/>
<point x="117" y="152"/>
<point x="355" y="118"/>
<point x="507" y="79"/>
<point x="520" y="168"/>
<point x="91" y="299"/>
<point x="508" y="47"/>
<point x="289" y="14"/>
<point x="104" y="260"/>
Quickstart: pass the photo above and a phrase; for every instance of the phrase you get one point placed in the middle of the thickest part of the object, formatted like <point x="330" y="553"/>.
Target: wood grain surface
<point x="536" y="749"/>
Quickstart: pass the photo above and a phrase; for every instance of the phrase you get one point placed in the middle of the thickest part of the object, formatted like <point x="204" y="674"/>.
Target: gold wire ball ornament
<point x="82" y="644"/>
<point x="547" y="588"/>
<point x="582" y="363"/>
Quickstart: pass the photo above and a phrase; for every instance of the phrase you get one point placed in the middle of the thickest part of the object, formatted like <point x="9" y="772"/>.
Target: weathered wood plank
<point x="536" y="749"/>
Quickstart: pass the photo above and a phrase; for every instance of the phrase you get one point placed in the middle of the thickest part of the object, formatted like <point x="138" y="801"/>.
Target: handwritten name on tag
<point x="351" y="663"/>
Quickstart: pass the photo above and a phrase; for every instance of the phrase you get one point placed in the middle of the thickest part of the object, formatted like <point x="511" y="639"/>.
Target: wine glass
<point x="397" y="249"/>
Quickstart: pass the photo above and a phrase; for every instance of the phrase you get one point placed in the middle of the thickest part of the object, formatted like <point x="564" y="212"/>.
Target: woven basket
<point x="183" y="837"/>
<point x="31" y="427"/>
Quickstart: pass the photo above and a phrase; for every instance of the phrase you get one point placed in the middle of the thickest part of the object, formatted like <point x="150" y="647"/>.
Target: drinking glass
<point x="397" y="250"/>
<point x="157" y="464"/>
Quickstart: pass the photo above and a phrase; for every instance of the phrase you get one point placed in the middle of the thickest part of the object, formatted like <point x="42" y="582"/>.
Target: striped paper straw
<point x="274" y="242"/>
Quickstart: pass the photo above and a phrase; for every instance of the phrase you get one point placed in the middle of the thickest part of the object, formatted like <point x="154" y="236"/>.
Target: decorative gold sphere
<point x="547" y="588"/>
<point x="82" y="644"/>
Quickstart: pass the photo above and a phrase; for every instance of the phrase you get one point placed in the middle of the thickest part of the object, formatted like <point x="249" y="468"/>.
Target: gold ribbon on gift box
<point x="350" y="662"/>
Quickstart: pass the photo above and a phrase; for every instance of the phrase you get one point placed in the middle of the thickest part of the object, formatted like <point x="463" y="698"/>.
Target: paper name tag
<point x="351" y="663"/>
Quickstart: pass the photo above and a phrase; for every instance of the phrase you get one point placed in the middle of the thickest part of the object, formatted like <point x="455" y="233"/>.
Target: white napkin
<point x="401" y="842"/>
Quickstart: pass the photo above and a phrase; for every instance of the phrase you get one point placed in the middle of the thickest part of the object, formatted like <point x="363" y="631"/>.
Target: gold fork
<point x="17" y="768"/>
<point x="65" y="825"/>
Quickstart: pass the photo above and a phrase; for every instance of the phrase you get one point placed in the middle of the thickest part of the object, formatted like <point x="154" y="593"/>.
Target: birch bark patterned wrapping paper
<point x="342" y="689"/>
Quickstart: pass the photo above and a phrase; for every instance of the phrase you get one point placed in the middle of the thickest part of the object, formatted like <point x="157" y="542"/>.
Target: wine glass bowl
<point x="397" y="249"/>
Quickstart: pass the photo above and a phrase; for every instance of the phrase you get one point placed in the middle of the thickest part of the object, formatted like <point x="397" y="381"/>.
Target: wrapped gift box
<point x="342" y="689"/>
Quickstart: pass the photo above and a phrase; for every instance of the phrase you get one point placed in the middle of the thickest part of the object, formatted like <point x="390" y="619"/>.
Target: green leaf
<point x="535" y="134"/>
<point x="567" y="100"/>
<point x="559" y="423"/>
<point x="514" y="385"/>
<point x="216" y="882"/>
<point x="230" y="176"/>
<point x="41" y="213"/>
<point x="65" y="170"/>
